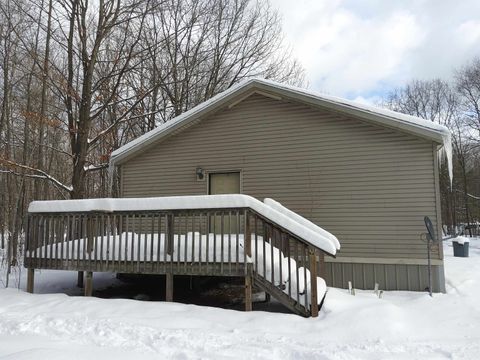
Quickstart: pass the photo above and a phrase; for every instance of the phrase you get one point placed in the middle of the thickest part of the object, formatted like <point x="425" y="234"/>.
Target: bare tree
<point x="432" y="100"/>
<point x="467" y="80"/>
<point x="78" y="79"/>
<point x="211" y="45"/>
<point x="467" y="83"/>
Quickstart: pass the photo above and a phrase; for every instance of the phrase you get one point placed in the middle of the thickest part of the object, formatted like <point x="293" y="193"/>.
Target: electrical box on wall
<point x="200" y="174"/>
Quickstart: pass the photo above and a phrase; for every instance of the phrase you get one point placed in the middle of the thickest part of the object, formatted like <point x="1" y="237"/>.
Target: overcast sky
<point x="360" y="49"/>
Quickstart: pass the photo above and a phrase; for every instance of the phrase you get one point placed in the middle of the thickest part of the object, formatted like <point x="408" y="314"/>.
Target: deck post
<point x="90" y="235"/>
<point x="313" y="283"/>
<point x="170" y="234"/>
<point x="80" y="279"/>
<point x="248" y="265"/>
<point x="248" y="235"/>
<point x="248" y="287"/>
<point x="30" y="280"/>
<point x="169" y="287"/>
<point x="89" y="283"/>
<point x="322" y="272"/>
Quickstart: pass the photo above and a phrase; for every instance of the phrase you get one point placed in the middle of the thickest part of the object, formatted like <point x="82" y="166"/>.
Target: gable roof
<point x="235" y="94"/>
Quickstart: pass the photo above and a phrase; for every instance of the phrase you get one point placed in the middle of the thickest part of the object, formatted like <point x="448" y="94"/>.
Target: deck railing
<point x="211" y="242"/>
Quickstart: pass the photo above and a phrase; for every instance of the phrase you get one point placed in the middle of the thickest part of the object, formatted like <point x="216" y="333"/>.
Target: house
<point x="367" y="175"/>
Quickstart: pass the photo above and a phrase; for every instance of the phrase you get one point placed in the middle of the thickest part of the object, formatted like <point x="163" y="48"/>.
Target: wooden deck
<point x="200" y="242"/>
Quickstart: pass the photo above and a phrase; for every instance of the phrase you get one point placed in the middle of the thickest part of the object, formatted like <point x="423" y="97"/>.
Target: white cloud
<point x="352" y="48"/>
<point x="469" y="32"/>
<point x="372" y="100"/>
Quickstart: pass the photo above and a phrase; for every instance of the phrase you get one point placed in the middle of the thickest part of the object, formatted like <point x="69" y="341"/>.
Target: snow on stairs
<point x="286" y="275"/>
<point x="287" y="267"/>
<point x="280" y="296"/>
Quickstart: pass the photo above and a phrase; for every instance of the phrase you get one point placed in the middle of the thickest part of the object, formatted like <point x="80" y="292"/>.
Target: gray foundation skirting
<point x="389" y="276"/>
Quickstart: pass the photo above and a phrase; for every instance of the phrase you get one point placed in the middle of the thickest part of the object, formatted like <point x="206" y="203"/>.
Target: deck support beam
<point x="80" y="279"/>
<point x="249" y="267"/>
<point x="313" y="284"/>
<point x="30" y="280"/>
<point x="169" y="287"/>
<point x="248" y="287"/>
<point x="89" y="283"/>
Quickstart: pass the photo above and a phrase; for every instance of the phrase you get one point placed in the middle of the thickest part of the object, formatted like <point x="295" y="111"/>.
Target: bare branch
<point x="38" y="172"/>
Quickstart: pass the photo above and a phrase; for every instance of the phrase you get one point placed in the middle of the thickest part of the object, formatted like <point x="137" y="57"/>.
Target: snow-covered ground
<point x="400" y="325"/>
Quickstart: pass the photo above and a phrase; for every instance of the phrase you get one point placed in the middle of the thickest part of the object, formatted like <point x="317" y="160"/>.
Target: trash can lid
<point x="461" y="240"/>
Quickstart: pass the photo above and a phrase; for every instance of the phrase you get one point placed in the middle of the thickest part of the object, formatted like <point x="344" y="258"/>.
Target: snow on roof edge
<point x="410" y="120"/>
<point x="188" y="202"/>
<point x="407" y="119"/>
<point x="389" y="114"/>
<point x="171" y="123"/>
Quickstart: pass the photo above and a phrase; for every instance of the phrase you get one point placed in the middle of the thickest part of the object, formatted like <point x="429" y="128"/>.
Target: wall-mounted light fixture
<point x="200" y="174"/>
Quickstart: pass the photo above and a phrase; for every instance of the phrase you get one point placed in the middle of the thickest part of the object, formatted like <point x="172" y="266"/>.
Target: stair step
<point x="280" y="296"/>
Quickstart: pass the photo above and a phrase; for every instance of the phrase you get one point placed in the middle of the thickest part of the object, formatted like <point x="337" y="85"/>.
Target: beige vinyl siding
<point x="368" y="185"/>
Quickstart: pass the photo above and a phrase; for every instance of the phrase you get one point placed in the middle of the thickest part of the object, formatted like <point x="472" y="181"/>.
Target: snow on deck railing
<point x="276" y="213"/>
<point x="301" y="220"/>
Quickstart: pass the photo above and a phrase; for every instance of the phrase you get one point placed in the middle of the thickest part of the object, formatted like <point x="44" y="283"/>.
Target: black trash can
<point x="459" y="249"/>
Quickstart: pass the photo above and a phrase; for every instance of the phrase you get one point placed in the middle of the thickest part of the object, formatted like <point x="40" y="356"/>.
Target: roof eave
<point x="344" y="109"/>
<point x="241" y="90"/>
<point x="222" y="101"/>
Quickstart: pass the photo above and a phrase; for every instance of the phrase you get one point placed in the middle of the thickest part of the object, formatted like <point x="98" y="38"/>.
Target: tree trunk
<point x="40" y="187"/>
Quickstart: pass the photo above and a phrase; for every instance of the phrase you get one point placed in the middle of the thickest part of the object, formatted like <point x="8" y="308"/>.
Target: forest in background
<point x="80" y="78"/>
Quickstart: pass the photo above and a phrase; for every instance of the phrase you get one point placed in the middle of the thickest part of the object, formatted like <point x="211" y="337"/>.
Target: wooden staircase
<point x="281" y="296"/>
